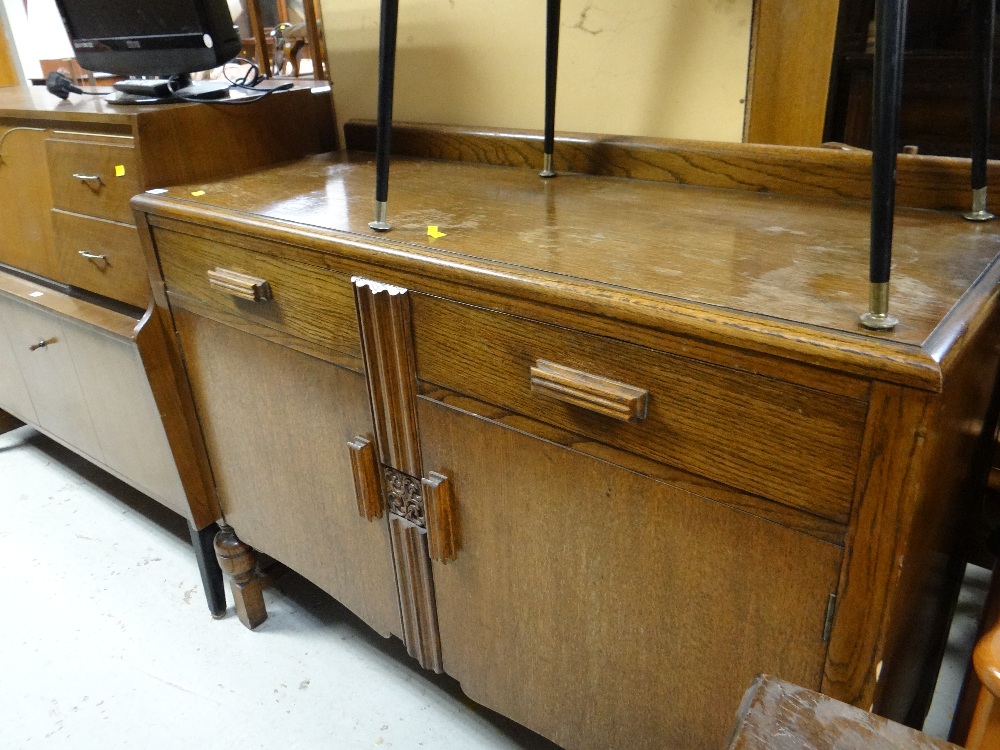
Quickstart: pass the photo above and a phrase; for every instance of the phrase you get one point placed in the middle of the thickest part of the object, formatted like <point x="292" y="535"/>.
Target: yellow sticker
<point x="196" y="193"/>
<point x="119" y="170"/>
<point x="432" y="231"/>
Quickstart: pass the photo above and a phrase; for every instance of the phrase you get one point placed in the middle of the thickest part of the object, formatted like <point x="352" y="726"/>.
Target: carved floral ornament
<point x="405" y="498"/>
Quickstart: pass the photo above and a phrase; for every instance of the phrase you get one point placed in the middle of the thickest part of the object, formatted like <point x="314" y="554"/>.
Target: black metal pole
<point x="551" y="64"/>
<point x="890" y="30"/>
<point x="383" y="132"/>
<point x="983" y="19"/>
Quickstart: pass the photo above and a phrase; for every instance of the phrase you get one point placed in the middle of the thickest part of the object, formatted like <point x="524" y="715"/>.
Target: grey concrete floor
<point x="106" y="642"/>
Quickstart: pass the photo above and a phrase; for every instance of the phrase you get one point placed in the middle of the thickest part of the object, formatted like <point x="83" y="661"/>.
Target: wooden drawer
<point x="305" y="301"/>
<point x="118" y="271"/>
<point x="781" y="441"/>
<point x="93" y="177"/>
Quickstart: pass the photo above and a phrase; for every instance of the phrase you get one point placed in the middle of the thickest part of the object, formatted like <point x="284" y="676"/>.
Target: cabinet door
<point x="25" y="200"/>
<point x="50" y="377"/>
<point x="13" y="393"/>
<point x="605" y="609"/>
<point x="277" y="423"/>
<point x="124" y="414"/>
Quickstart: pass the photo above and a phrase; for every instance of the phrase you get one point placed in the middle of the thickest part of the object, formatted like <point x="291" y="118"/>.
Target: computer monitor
<point x="166" y="39"/>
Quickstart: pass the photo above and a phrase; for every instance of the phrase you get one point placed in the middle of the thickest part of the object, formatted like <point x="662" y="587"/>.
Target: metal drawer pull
<point x="88" y="177"/>
<point x="602" y="395"/>
<point x="42" y="343"/>
<point x="92" y="256"/>
<point x="240" y="284"/>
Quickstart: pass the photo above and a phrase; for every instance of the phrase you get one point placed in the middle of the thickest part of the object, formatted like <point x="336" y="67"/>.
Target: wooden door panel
<point x="276" y="425"/>
<point x="605" y="609"/>
<point x="26" y="240"/>
<point x="124" y="413"/>
<point x="50" y="377"/>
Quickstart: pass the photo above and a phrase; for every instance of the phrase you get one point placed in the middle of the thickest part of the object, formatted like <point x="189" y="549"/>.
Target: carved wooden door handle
<point x="442" y="523"/>
<point x="367" y="487"/>
<point x="240" y="285"/>
<point x="611" y="398"/>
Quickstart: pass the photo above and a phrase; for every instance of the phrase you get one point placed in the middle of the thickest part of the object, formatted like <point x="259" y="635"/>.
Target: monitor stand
<point x="166" y="90"/>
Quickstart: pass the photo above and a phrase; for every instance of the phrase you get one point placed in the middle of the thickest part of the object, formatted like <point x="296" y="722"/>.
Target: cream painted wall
<point x="674" y="68"/>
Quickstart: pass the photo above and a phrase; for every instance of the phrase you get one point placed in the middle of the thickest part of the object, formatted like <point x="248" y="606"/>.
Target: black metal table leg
<point x="551" y="65"/>
<point x="983" y="20"/>
<point x="208" y="565"/>
<point x="383" y="132"/>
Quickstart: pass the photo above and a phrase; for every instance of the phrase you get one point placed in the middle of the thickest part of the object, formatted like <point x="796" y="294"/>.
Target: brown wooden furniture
<point x="79" y="341"/>
<point x="777" y="715"/>
<point x="607" y="448"/>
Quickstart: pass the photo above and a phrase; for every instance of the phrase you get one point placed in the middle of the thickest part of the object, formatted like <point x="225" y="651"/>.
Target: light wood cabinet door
<point x="277" y="424"/>
<point x="26" y="239"/>
<point x="13" y="393"/>
<point x="605" y="609"/>
<point x="124" y="414"/>
<point x="43" y="355"/>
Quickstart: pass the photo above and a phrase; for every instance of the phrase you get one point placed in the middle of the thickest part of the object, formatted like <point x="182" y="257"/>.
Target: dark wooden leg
<point x="8" y="422"/>
<point x="208" y="565"/>
<point x="239" y="562"/>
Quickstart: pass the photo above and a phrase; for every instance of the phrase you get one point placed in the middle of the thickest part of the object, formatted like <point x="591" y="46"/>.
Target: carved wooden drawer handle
<point x="602" y="395"/>
<point x="367" y="487"/>
<point x="442" y="524"/>
<point x="240" y="284"/>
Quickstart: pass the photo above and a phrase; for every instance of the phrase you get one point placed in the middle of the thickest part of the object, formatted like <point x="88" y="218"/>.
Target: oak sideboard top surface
<point x="784" y="275"/>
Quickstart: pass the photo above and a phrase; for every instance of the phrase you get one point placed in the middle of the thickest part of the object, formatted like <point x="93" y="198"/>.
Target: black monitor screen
<point x="111" y="19"/>
<point x="150" y="37"/>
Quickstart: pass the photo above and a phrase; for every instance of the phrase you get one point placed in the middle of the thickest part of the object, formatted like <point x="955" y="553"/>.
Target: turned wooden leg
<point x="239" y="562"/>
<point x="208" y="565"/>
<point x="8" y="422"/>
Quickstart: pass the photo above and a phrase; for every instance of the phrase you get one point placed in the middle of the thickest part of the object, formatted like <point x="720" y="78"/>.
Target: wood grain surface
<point x="121" y="274"/>
<point x="105" y="197"/>
<point x="26" y="198"/>
<point x="307" y="304"/>
<point x="791" y="56"/>
<point x="713" y="255"/>
<point x="283" y="473"/>
<point x="768" y="438"/>
<point x="777" y="715"/>
<point x="923" y="181"/>
<point x="580" y="602"/>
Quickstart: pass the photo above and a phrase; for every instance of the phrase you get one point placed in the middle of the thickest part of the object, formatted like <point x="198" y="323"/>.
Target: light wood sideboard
<point x="607" y="447"/>
<point x="80" y="341"/>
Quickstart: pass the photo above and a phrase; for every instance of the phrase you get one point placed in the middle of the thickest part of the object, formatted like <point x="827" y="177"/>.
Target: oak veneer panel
<point x="14" y="396"/>
<point x="787" y="443"/>
<point x="718" y="253"/>
<point x="120" y="275"/>
<point x="305" y="301"/>
<point x="790" y="62"/>
<point x="50" y="376"/>
<point x="277" y="425"/>
<point x="603" y="609"/>
<point x="934" y="182"/>
<point x="124" y="413"/>
<point x="777" y="715"/>
<point x="26" y="238"/>
<point x="108" y="196"/>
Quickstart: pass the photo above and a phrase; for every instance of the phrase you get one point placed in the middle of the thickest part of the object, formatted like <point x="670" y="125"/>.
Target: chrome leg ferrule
<point x="547" y="170"/>
<point x="878" y="318"/>
<point x="979" y="210"/>
<point x="380" y="224"/>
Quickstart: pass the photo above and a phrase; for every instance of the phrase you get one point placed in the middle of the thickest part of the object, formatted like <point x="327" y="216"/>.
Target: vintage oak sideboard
<point x="79" y="338"/>
<point x="601" y="448"/>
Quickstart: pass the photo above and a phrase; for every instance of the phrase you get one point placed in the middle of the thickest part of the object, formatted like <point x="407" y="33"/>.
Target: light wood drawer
<point x="780" y="441"/>
<point x="92" y="177"/>
<point x="307" y="302"/>
<point x="101" y="256"/>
